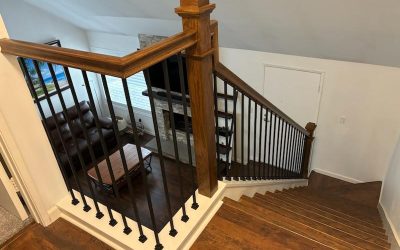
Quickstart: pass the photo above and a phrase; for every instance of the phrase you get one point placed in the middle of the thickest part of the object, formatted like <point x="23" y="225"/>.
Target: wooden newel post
<point x="310" y="127"/>
<point x="196" y="16"/>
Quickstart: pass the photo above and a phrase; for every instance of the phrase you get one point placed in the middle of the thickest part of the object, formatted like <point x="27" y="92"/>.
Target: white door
<point x="296" y="92"/>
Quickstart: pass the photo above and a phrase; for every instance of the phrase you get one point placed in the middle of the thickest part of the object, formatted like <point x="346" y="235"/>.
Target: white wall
<point x="28" y="23"/>
<point x="367" y="95"/>
<point x="24" y="143"/>
<point x="390" y="197"/>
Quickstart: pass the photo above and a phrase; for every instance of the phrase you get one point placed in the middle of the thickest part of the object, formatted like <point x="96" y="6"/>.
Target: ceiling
<point x="365" y="31"/>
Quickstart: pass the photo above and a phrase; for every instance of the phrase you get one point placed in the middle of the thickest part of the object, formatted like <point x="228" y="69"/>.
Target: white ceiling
<point x="366" y="31"/>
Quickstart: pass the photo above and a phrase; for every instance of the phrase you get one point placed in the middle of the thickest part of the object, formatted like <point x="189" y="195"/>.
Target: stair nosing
<point x="366" y="223"/>
<point x="354" y="237"/>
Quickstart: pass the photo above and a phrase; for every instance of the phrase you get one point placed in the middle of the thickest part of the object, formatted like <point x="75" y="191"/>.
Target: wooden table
<point x="132" y="161"/>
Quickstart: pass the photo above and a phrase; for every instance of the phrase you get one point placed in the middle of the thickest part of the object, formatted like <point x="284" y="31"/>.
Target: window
<point x="136" y="85"/>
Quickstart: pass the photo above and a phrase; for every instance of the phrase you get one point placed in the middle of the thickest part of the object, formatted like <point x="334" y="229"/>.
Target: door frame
<point x="321" y="82"/>
<point x="9" y="159"/>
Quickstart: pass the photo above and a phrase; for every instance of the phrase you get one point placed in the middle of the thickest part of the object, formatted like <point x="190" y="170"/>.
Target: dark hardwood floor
<point x="123" y="204"/>
<point x="258" y="169"/>
<point x="59" y="235"/>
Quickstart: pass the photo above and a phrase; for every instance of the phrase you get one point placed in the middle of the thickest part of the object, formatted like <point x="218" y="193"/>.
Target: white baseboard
<point x="54" y="213"/>
<point x="115" y="238"/>
<point x="394" y="236"/>
<point x="337" y="176"/>
<point x="235" y="189"/>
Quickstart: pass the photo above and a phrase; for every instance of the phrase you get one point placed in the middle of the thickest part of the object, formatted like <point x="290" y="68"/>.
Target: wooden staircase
<point x="299" y="218"/>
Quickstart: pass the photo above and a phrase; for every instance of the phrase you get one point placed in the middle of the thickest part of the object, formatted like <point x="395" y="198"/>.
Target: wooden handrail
<point x="227" y="75"/>
<point x="104" y="64"/>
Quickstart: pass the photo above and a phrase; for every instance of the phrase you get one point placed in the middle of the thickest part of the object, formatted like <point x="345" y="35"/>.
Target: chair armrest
<point x="105" y="122"/>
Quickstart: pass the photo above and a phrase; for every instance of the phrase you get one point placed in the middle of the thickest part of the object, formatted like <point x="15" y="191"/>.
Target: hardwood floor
<point x="123" y="204"/>
<point x="333" y="216"/>
<point x="59" y="235"/>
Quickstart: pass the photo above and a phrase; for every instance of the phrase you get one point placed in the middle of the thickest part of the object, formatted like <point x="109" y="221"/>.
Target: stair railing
<point x="267" y="143"/>
<point x="195" y="42"/>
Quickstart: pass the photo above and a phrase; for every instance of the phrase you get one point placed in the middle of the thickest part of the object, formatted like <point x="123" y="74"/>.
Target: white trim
<point x="391" y="226"/>
<point x="114" y="236"/>
<point x="16" y="165"/>
<point x="337" y="176"/>
<point x="235" y="189"/>
<point x="18" y="209"/>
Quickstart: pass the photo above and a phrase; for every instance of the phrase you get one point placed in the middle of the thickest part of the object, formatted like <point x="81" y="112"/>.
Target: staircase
<point x="313" y="217"/>
<point x="225" y="104"/>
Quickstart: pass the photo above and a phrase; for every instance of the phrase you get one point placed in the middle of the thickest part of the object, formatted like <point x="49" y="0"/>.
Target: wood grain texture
<point x="122" y="67"/>
<point x="286" y="220"/>
<point x="132" y="162"/>
<point x="310" y="127"/>
<point x="59" y="235"/>
<point x="269" y="198"/>
<point x="196" y="16"/>
<point x="232" y="228"/>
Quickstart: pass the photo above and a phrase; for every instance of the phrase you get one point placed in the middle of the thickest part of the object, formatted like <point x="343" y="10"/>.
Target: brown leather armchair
<point x="76" y="129"/>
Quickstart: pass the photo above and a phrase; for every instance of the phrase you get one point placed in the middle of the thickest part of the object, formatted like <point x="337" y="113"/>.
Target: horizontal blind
<point x="136" y="85"/>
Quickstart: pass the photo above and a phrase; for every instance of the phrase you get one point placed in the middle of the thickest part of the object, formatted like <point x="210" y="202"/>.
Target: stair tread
<point x="228" y="97"/>
<point x="337" y="234"/>
<point x="353" y="233"/>
<point x="334" y="217"/>
<point x="223" y="131"/>
<point x="341" y="205"/>
<point x="223" y="114"/>
<point x="244" y="231"/>
<point x="223" y="149"/>
<point x="267" y="214"/>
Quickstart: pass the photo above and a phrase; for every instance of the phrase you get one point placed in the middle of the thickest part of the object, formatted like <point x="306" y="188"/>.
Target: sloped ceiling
<point x="366" y="31"/>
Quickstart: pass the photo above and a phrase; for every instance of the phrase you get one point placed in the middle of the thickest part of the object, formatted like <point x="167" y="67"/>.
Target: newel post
<point x="196" y="16"/>
<point x="310" y="127"/>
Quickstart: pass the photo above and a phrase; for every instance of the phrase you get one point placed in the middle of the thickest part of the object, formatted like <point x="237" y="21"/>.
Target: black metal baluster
<point x="278" y="148"/>
<point x="99" y="214"/>
<point x="219" y="165"/>
<point x="227" y="143"/>
<point x="281" y="154"/>
<point x="112" y="221"/>
<point x="86" y="207"/>
<point x="273" y="150"/>
<point x="282" y="141"/>
<point x="296" y="142"/>
<point x="248" y="139"/>
<point x="303" y="138"/>
<point x="292" y="150"/>
<point x="299" y="152"/>
<point x="286" y="150"/>
<point x="265" y="144"/>
<point x="172" y="231"/>
<point x="127" y="229"/>
<point x="195" y="205"/>
<point x="74" y="201"/>
<point x="234" y="134"/>
<point x="141" y="161"/>
<point x="255" y="141"/>
<point x="184" y="217"/>
<point x="270" y="145"/>
<point x="242" y="168"/>
<point x="259" y="143"/>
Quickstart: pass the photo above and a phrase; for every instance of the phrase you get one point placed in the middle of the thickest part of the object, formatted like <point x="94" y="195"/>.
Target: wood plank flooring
<point x="59" y="235"/>
<point x="124" y="205"/>
<point x="322" y="216"/>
